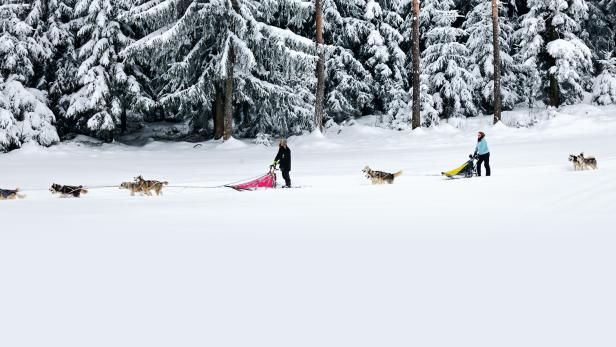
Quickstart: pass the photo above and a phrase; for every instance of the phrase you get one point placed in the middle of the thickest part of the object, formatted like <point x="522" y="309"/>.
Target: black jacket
<point x="284" y="157"/>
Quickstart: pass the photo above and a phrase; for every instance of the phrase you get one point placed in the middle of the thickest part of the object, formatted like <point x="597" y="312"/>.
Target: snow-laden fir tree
<point x="349" y="84"/>
<point x="24" y="115"/>
<point x="598" y="30"/>
<point x="191" y="46"/>
<point x="604" y="88"/>
<point x="478" y="25"/>
<point x="99" y="106"/>
<point x="386" y="60"/>
<point x="551" y="51"/>
<point x="284" y="59"/>
<point x="446" y="61"/>
<point x="60" y="68"/>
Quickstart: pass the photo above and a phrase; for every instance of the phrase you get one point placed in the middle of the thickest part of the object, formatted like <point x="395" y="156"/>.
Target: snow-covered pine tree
<point x="598" y="30"/>
<point x="60" y="68"/>
<point x="478" y="25"/>
<point x="286" y="58"/>
<point x="385" y="58"/>
<point x="551" y="50"/>
<point x="99" y="106"/>
<point x="349" y="85"/>
<point x="604" y="89"/>
<point x="24" y="115"/>
<point x="446" y="61"/>
<point x="187" y="44"/>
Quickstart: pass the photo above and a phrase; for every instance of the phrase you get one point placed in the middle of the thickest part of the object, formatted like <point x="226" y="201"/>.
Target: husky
<point x="134" y="187"/>
<point x="577" y="163"/>
<point x="147" y="185"/>
<point x="380" y="177"/>
<point x="68" y="191"/>
<point x="10" y="194"/>
<point x="587" y="162"/>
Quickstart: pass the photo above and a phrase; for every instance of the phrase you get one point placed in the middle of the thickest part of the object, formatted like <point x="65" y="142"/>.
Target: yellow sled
<point x="465" y="170"/>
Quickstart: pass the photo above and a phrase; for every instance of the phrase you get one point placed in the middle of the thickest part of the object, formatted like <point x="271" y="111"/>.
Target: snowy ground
<point x="523" y="258"/>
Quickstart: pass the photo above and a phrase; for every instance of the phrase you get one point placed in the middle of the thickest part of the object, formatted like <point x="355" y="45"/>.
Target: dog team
<point x="146" y="187"/>
<point x="139" y="185"/>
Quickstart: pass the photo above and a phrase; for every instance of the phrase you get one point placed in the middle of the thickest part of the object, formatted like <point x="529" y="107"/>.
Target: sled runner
<point x="467" y="170"/>
<point x="267" y="181"/>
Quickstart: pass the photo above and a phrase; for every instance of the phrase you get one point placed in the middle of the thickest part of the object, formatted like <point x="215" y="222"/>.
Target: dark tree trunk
<point x="554" y="90"/>
<point x="228" y="128"/>
<point x="416" y="121"/>
<point x="498" y="100"/>
<point x="320" y="94"/>
<point x="228" y="105"/>
<point x="219" y="112"/>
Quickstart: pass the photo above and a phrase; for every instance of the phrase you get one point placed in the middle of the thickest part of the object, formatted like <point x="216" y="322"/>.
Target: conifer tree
<point x="447" y="60"/>
<point x="604" y="89"/>
<point x="24" y="115"/>
<point x="478" y="25"/>
<point x="551" y="51"/>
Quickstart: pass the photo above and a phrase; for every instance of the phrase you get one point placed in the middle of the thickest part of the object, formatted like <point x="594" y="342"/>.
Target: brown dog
<point x="148" y="185"/>
<point x="133" y="187"/>
<point x="380" y="177"/>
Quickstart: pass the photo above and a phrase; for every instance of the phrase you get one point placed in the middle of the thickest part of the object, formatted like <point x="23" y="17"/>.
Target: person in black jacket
<point x="283" y="158"/>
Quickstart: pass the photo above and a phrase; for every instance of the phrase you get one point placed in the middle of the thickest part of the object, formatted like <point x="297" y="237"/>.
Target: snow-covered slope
<point x="523" y="258"/>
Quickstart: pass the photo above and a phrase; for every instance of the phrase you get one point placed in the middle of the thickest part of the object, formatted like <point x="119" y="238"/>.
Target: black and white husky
<point x="580" y="162"/>
<point x="588" y="162"/>
<point x="380" y="177"/>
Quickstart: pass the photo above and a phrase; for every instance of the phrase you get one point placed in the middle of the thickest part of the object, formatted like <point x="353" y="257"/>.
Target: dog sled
<point x="466" y="170"/>
<point x="267" y="181"/>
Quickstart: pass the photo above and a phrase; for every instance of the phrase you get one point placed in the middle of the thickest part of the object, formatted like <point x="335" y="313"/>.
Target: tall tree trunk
<point x="219" y="112"/>
<point x="228" y="128"/>
<point x="228" y="108"/>
<point x="498" y="99"/>
<point x="553" y="91"/>
<point x="320" y="95"/>
<point x="416" y="122"/>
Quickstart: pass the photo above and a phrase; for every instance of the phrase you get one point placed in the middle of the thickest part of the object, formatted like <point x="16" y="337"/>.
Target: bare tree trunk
<point x="320" y="95"/>
<point x="219" y="112"/>
<point x="498" y="99"/>
<point x="228" y="108"/>
<point x="553" y="92"/>
<point x="228" y="128"/>
<point x="416" y="122"/>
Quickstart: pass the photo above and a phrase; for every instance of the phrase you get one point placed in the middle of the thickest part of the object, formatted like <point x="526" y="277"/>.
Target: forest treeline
<point x="247" y="68"/>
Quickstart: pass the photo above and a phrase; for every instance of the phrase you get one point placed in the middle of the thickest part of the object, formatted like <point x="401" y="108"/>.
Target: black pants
<point x="485" y="159"/>
<point x="287" y="178"/>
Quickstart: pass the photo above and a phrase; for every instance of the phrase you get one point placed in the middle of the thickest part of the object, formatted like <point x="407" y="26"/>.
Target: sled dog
<point x="68" y="191"/>
<point x="134" y="187"/>
<point x="380" y="177"/>
<point x="577" y="163"/>
<point x="147" y="185"/>
<point x="10" y="194"/>
<point x="587" y="162"/>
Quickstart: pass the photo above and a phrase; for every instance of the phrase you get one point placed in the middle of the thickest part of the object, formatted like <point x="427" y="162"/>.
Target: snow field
<point x="523" y="258"/>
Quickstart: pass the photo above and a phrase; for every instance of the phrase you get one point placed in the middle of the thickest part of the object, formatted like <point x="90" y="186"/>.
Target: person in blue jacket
<point x="483" y="153"/>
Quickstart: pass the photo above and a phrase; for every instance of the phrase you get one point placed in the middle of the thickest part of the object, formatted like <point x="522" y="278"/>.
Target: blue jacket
<point x="482" y="147"/>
